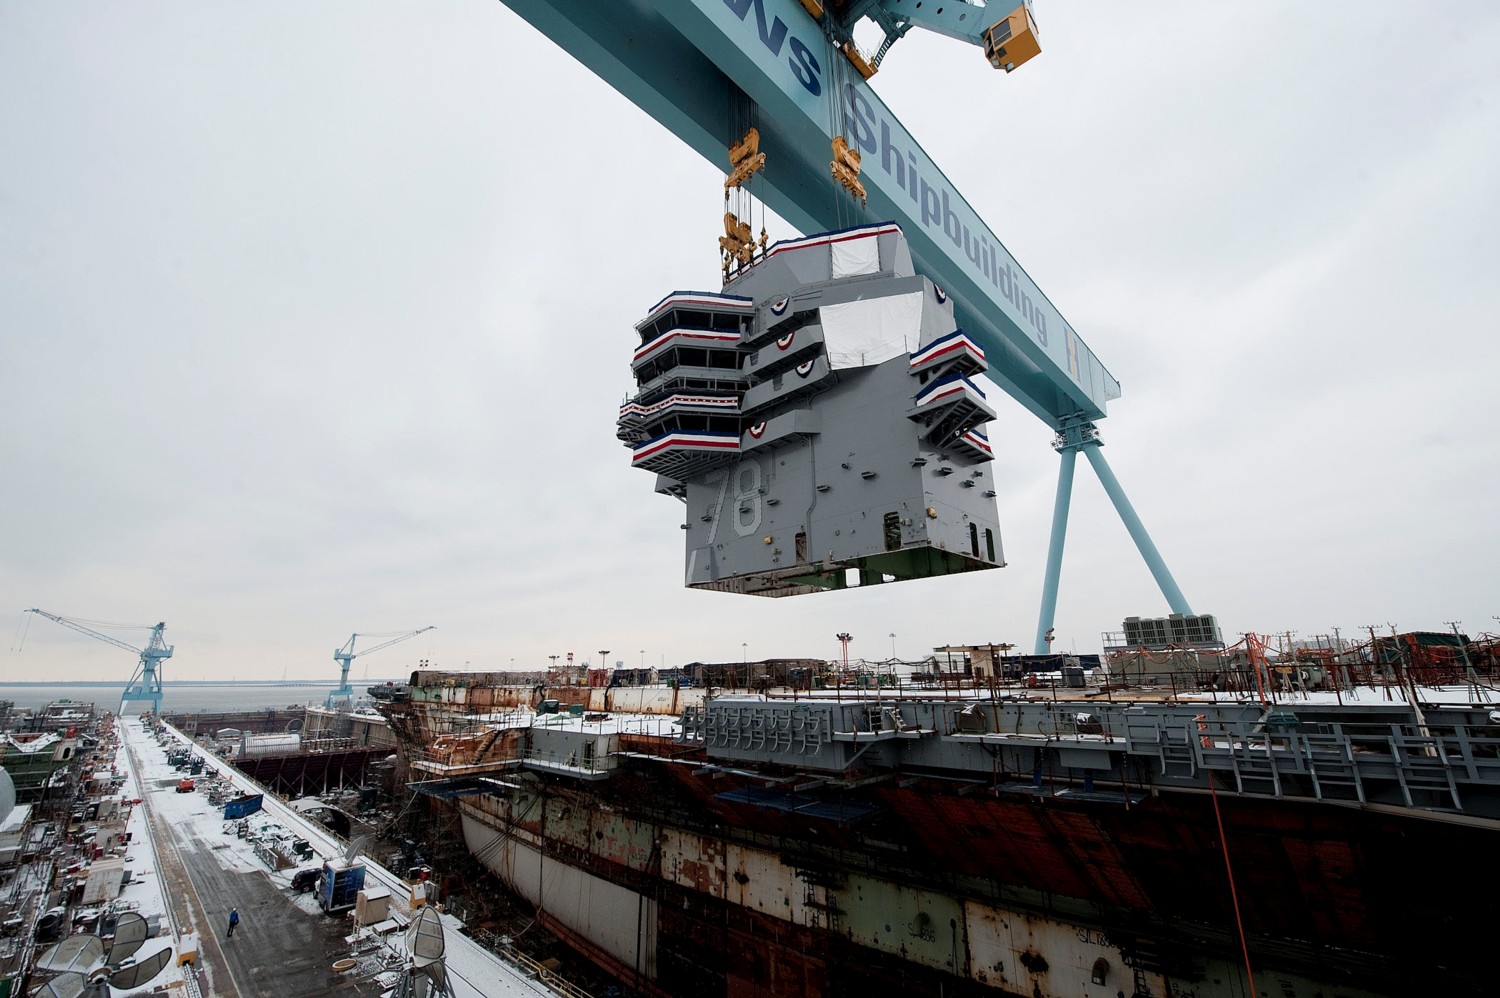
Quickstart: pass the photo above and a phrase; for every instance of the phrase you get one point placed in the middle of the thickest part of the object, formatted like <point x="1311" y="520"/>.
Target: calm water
<point x="181" y="696"/>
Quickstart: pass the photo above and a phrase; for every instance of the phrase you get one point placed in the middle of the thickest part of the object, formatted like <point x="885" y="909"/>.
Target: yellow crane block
<point x="745" y="158"/>
<point x="845" y="167"/>
<point x="738" y="245"/>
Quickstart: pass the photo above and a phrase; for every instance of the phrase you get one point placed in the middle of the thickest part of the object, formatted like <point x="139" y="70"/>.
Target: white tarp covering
<point x="276" y="743"/>
<point x="852" y="257"/>
<point x="861" y="333"/>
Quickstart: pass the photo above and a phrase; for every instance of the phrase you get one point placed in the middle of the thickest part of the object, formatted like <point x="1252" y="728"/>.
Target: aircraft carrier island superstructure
<point x="820" y="421"/>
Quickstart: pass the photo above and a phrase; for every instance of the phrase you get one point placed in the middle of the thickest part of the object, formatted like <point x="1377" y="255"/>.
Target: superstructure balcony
<point x="648" y="416"/>
<point x="974" y="444"/>
<point x="680" y="454"/>
<point x="951" y="354"/>
<point x="949" y="407"/>
<point x="689" y="381"/>
<point x="710" y="348"/>
<point x="695" y="310"/>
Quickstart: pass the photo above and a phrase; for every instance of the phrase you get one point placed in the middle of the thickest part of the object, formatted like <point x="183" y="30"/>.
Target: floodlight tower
<point x="145" y="682"/>
<point x="343" y="656"/>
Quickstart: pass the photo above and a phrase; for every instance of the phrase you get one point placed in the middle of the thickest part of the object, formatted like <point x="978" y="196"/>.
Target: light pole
<point x="844" y="638"/>
<point x="744" y="652"/>
<point x="893" y="646"/>
<point x="603" y="657"/>
<point x="643" y="658"/>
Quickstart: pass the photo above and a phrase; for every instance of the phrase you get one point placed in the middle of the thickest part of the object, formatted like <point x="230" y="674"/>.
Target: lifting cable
<point x="835" y="126"/>
<point x="755" y="124"/>
<point x="737" y="133"/>
<point x="25" y="629"/>
<point x="740" y="117"/>
<point x="1234" y="898"/>
<point x="731" y="116"/>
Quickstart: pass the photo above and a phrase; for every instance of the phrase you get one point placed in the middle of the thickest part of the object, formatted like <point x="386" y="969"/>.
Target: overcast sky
<point x="315" y="319"/>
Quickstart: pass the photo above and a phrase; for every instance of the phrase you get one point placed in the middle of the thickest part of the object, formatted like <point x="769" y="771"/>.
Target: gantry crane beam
<point x="691" y="63"/>
<point x="343" y="656"/>
<point x="145" y="682"/>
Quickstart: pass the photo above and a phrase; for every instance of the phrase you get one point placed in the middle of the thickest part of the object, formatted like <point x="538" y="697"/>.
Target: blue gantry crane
<point x="145" y="682"/>
<point x="706" y="69"/>
<point x="343" y="656"/>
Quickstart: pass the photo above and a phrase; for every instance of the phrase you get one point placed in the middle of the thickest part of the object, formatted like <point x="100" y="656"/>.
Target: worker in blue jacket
<point x="234" y="919"/>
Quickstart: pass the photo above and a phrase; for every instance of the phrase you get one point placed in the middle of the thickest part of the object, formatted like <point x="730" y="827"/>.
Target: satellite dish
<point x="82" y="954"/>
<point x="425" y="975"/>
<point x="356" y="847"/>
<point x="141" y="971"/>
<point x="131" y="933"/>
<point x="7" y="794"/>
<point x="82" y="961"/>
<point x="63" y="986"/>
<point x="424" y="939"/>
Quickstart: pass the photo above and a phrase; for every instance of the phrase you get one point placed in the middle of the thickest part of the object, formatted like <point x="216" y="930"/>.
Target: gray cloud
<point x="315" y="319"/>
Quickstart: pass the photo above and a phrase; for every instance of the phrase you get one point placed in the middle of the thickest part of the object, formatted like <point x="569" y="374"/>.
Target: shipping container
<point x="241" y="806"/>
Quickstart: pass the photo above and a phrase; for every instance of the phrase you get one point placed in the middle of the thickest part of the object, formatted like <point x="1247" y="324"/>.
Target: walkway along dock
<point x="285" y="944"/>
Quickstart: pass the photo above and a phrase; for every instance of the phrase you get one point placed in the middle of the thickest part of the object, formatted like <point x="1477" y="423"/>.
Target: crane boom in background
<point x="343" y="656"/>
<point x="145" y="682"/>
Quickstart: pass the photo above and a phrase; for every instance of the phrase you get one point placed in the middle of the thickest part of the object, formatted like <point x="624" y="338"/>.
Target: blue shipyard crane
<point x="145" y="682"/>
<point x="343" y="656"/>
<point x="707" y="68"/>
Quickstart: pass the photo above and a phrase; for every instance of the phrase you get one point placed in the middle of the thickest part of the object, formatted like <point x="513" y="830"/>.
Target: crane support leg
<point x="1092" y="450"/>
<point x="1076" y="435"/>
<point x="1055" y="548"/>
<point x="144" y="687"/>
<point x="145" y="682"/>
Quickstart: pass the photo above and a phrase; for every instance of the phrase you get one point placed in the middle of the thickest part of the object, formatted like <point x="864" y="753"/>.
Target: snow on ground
<point x="645" y="724"/>
<point x="473" y="971"/>
<point x="145" y="893"/>
<point x="1465" y="695"/>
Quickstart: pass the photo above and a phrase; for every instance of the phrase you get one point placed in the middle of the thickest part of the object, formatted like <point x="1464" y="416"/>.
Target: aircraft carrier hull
<point x="686" y="880"/>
